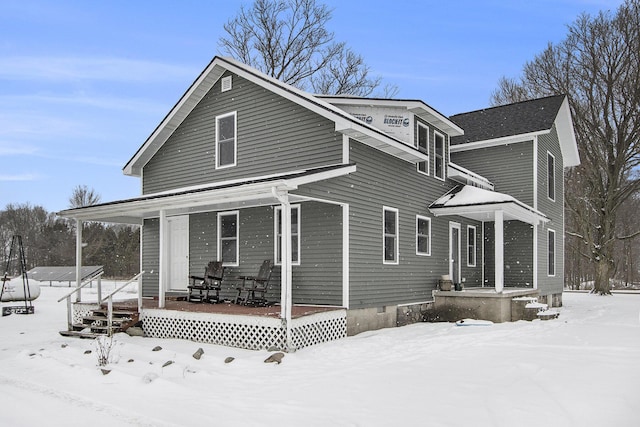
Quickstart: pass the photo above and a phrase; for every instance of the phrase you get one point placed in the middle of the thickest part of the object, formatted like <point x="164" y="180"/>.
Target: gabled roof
<point x="522" y="119"/>
<point x="344" y="122"/>
<point x="481" y="204"/>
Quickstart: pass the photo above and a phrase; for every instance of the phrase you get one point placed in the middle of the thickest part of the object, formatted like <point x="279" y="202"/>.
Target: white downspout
<point x="286" y="271"/>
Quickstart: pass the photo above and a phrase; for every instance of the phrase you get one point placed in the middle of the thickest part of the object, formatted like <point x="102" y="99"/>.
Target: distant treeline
<point x="50" y="240"/>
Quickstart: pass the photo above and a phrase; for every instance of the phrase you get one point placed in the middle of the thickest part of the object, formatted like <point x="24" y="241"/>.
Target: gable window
<point x="423" y="146"/>
<point x="295" y="234"/>
<point x="423" y="235"/>
<point x="551" y="240"/>
<point x="390" y="235"/>
<point x="228" y="238"/>
<point x="226" y="146"/>
<point x="551" y="176"/>
<point x="438" y="155"/>
<point x="471" y="246"/>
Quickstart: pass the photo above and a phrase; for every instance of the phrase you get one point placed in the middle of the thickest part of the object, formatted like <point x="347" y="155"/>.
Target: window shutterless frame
<point x="295" y="234"/>
<point x="551" y="177"/>
<point x="551" y="253"/>
<point x="228" y="238"/>
<point x="390" y="235"/>
<point x="471" y="245"/>
<point x="422" y="144"/>
<point x="438" y="155"/>
<point x="423" y="235"/>
<point x="226" y="140"/>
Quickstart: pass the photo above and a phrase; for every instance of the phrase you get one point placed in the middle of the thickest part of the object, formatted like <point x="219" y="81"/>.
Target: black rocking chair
<point x="207" y="288"/>
<point x="254" y="288"/>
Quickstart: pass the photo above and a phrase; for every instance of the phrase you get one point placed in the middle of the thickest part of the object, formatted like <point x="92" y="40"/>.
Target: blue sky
<point x="84" y="83"/>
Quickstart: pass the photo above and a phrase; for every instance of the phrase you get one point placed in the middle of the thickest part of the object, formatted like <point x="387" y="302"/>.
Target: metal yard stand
<point x="28" y="308"/>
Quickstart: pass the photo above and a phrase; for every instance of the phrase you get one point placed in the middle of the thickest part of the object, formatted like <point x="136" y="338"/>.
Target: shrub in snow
<point x="104" y="345"/>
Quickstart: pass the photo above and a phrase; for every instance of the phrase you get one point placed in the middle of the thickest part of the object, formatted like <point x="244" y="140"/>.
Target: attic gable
<point x="344" y="122"/>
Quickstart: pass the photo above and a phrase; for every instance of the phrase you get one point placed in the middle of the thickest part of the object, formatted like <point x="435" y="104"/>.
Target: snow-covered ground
<point x="582" y="369"/>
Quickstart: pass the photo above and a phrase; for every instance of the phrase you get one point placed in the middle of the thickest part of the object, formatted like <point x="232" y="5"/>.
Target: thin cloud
<point x="82" y="99"/>
<point x="54" y="68"/>
<point x="20" y="177"/>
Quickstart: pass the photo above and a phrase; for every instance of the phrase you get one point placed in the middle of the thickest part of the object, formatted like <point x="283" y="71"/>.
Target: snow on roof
<point x="480" y="204"/>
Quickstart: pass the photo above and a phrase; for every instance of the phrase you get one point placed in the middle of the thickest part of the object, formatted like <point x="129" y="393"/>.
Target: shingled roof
<point x="508" y="120"/>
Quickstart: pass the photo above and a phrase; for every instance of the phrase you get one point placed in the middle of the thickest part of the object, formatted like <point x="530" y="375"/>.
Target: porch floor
<point x="297" y="311"/>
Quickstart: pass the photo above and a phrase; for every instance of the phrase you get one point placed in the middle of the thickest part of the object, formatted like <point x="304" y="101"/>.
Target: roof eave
<point x="566" y="135"/>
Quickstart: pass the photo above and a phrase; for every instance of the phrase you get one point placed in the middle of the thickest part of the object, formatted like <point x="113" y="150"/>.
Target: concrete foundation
<point x="478" y="303"/>
<point x="369" y="319"/>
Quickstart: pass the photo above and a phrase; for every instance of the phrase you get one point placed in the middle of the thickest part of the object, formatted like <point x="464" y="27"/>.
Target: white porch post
<point x="345" y="255"/>
<point x="162" y="263"/>
<point x="499" y="250"/>
<point x="286" y="274"/>
<point x="78" y="257"/>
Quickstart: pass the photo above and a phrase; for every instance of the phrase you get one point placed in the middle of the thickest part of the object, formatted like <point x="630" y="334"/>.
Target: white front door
<point x="454" y="251"/>
<point x="178" y="241"/>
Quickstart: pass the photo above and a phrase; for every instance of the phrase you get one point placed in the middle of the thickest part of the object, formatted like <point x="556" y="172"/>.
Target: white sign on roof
<point x="396" y="122"/>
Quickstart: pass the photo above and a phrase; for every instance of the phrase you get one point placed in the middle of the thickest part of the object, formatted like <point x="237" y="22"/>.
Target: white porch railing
<point x="100" y="299"/>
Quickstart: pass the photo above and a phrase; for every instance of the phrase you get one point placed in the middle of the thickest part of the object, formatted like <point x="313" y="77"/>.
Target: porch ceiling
<point x="250" y="192"/>
<point x="481" y="205"/>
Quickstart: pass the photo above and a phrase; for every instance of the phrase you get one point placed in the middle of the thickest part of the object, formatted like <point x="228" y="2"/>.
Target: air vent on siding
<point x="226" y="83"/>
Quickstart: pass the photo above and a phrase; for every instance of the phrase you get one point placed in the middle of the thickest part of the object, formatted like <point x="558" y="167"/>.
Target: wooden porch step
<point x="80" y="334"/>
<point x="99" y="320"/>
<point x="116" y="313"/>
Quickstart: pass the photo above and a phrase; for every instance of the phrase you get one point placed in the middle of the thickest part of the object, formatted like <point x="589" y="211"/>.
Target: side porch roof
<point x="235" y="194"/>
<point x="480" y="205"/>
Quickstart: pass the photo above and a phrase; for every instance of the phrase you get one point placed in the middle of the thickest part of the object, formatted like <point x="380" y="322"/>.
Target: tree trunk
<point x="603" y="273"/>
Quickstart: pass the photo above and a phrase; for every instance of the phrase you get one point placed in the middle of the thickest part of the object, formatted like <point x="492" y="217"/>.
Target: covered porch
<point x="283" y="325"/>
<point x="491" y="302"/>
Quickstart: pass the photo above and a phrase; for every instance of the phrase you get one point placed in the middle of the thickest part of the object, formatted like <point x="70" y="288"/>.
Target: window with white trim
<point x="471" y="245"/>
<point x="226" y="143"/>
<point x="422" y="143"/>
<point x="551" y="176"/>
<point x="228" y="247"/>
<point x="390" y="235"/>
<point x="438" y="155"/>
<point x="295" y="234"/>
<point x="423" y="235"/>
<point x="551" y="245"/>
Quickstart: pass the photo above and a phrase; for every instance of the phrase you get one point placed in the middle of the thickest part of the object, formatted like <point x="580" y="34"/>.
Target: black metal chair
<point x="254" y="288"/>
<point x="207" y="288"/>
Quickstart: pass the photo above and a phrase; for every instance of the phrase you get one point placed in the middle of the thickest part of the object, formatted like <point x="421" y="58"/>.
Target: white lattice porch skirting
<point x="249" y="332"/>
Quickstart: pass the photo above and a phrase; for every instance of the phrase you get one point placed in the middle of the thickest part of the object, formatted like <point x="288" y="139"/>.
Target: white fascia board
<point x="416" y="107"/>
<point x="454" y="170"/>
<point x="512" y="210"/>
<point x="505" y="140"/>
<point x="566" y="135"/>
<point x="198" y="198"/>
<point x="381" y="142"/>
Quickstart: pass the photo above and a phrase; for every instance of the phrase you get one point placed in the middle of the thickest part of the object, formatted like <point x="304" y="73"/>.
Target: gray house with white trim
<point x="363" y="204"/>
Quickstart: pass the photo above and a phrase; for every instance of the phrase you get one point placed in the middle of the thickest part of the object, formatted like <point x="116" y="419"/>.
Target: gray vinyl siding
<point x="509" y="167"/>
<point x="273" y="135"/>
<point x="554" y="211"/>
<point x="318" y="278"/>
<point x="518" y="254"/>
<point x="150" y="257"/>
<point x="384" y="181"/>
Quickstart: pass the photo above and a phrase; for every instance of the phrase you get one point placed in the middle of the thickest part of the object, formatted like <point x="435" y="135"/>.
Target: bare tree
<point x="598" y="66"/>
<point x="289" y="40"/>
<point x="83" y="196"/>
